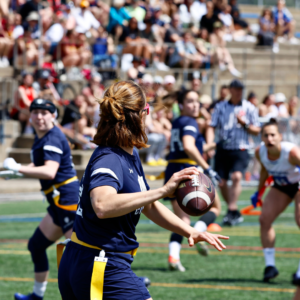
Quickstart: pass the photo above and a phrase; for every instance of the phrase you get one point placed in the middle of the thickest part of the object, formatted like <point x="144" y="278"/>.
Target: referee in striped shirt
<point x="234" y="120"/>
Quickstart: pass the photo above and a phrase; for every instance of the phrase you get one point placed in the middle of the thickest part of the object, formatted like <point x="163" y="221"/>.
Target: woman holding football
<point x="113" y="193"/>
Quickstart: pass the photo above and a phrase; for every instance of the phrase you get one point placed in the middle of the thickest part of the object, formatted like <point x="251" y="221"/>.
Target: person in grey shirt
<point x="234" y="120"/>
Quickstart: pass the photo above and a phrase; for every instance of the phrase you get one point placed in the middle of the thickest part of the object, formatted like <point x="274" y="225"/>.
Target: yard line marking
<point x="178" y="285"/>
<point x="222" y="287"/>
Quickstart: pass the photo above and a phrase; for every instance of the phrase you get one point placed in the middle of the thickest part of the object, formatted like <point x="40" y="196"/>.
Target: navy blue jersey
<point x="54" y="146"/>
<point x="110" y="166"/>
<point x="184" y="126"/>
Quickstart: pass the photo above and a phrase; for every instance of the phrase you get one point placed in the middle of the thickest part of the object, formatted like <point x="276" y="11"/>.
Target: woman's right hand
<point x="171" y="186"/>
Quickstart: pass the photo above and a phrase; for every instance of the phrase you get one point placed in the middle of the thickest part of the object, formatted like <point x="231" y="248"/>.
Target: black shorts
<point x="289" y="189"/>
<point x="62" y="218"/>
<point x="229" y="161"/>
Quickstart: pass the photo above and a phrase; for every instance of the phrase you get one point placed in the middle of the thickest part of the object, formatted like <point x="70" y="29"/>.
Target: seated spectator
<point x="118" y="17"/>
<point x="252" y="98"/>
<point x="75" y="117"/>
<point x="185" y="54"/>
<point x="27" y="49"/>
<point x="22" y="100"/>
<point x="169" y="84"/>
<point x="293" y="106"/>
<point x="104" y="50"/>
<point x="169" y="8"/>
<point x="158" y="87"/>
<point x="147" y="83"/>
<point x="267" y="108"/>
<point x="224" y="94"/>
<point x="33" y="25"/>
<point x="208" y="20"/>
<point x="157" y="142"/>
<point x="161" y="122"/>
<point x="196" y="83"/>
<point x="174" y="31"/>
<point x="14" y="27"/>
<point x="6" y="46"/>
<point x="134" y="43"/>
<point x="45" y="88"/>
<point x="158" y="25"/>
<point x="280" y="100"/>
<point x="135" y="11"/>
<point x="27" y="8"/>
<point x="54" y="34"/>
<point x="85" y="20"/>
<point x="284" y="22"/>
<point x="205" y="48"/>
<point x="223" y="56"/>
<point x="266" y="29"/>
<point x="235" y="12"/>
<point x="75" y="51"/>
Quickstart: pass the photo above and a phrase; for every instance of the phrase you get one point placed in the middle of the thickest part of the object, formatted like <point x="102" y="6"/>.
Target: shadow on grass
<point x="149" y="269"/>
<point x="235" y="280"/>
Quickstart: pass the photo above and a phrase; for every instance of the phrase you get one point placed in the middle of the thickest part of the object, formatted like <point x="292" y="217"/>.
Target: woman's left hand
<point x="212" y="239"/>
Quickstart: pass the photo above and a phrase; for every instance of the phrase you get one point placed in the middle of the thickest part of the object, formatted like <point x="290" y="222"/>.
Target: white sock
<point x="269" y="254"/>
<point x="39" y="288"/>
<point x="200" y="226"/>
<point x="174" y="250"/>
<point x="298" y="271"/>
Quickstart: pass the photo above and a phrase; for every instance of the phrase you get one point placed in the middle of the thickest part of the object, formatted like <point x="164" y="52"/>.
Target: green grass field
<point x="234" y="274"/>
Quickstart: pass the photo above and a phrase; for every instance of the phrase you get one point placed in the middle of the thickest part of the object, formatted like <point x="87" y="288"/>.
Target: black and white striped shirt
<point x="230" y="132"/>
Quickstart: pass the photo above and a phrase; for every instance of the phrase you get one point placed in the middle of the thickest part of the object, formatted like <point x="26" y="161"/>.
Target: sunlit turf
<point x="221" y="276"/>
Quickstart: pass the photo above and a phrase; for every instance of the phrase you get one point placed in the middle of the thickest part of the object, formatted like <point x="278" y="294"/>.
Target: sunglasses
<point x="147" y="109"/>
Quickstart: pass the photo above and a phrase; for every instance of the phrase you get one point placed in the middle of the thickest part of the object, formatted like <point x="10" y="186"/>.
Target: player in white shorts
<point x="281" y="160"/>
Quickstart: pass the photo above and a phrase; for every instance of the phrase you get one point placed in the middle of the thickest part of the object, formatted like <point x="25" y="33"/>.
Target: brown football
<point x="196" y="196"/>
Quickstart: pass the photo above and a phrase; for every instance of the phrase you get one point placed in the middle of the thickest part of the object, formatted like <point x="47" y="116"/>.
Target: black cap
<point x="44" y="73"/>
<point x="42" y="104"/>
<point x="236" y="84"/>
<point x="251" y="95"/>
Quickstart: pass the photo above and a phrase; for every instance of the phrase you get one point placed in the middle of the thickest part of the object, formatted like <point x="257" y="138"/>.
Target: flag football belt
<point x="56" y="194"/>
<point x="100" y="262"/>
<point x="182" y="161"/>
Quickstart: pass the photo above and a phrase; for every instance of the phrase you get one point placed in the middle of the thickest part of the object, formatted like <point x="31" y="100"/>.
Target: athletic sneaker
<point x="202" y="248"/>
<point x="295" y="280"/>
<point x="232" y="218"/>
<point x="270" y="273"/>
<point x="146" y="281"/>
<point x="27" y="297"/>
<point x="175" y="265"/>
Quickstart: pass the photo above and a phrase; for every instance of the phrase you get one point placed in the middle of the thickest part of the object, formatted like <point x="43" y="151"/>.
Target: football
<point x="196" y="196"/>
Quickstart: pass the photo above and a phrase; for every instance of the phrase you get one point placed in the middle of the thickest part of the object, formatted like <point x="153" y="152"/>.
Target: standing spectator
<point x="285" y="25"/>
<point x="224" y="93"/>
<point x="235" y="121"/>
<point x="23" y="98"/>
<point x="267" y="108"/>
<point x="185" y="54"/>
<point x="280" y="100"/>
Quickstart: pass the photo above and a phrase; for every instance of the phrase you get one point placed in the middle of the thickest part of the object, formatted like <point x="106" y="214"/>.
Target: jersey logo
<point x="130" y="171"/>
<point x="139" y="211"/>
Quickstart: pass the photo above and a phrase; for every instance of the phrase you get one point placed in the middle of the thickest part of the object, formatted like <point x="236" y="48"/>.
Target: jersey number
<point x="79" y="209"/>
<point x="175" y="138"/>
<point x="143" y="189"/>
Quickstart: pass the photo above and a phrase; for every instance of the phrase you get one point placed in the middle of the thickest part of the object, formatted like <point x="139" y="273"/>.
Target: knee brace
<point x="208" y="218"/>
<point x="176" y="238"/>
<point x="37" y="246"/>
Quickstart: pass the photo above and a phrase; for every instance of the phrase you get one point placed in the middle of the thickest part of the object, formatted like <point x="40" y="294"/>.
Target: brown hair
<point x="121" y="111"/>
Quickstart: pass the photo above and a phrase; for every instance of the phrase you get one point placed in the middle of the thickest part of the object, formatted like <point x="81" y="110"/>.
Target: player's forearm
<point x="254" y="130"/>
<point x="210" y="135"/>
<point x="162" y="216"/>
<point x="208" y="147"/>
<point x="116" y="205"/>
<point x="193" y="153"/>
<point x="42" y="172"/>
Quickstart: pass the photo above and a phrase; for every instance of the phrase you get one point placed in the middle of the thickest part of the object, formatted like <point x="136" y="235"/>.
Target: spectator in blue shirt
<point x="104" y="51"/>
<point x="118" y="16"/>
<point x="185" y="53"/>
<point x="285" y="25"/>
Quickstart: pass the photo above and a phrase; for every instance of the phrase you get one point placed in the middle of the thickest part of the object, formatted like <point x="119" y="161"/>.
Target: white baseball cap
<point x="169" y="79"/>
<point x="280" y="97"/>
<point x="147" y="78"/>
